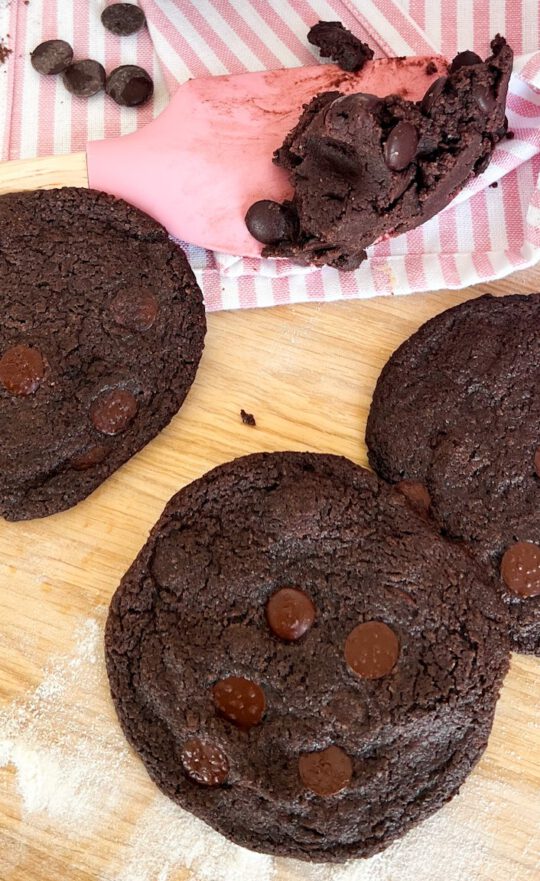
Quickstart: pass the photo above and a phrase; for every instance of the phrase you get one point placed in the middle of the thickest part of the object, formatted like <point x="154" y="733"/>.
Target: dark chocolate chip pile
<point x="363" y="167"/>
<point x="336" y="42"/>
<point x="102" y="330"/>
<point x="128" y="85"/>
<point x="456" y="420"/>
<point x="301" y="660"/>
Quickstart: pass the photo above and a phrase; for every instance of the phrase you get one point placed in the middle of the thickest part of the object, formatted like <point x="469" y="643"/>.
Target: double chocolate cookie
<point x="457" y="411"/>
<point x="102" y="331"/>
<point x="363" y="167"/>
<point x="301" y="660"/>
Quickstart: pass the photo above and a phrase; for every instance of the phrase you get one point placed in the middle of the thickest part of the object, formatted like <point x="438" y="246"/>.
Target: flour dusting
<point x="76" y="774"/>
<point x="63" y="762"/>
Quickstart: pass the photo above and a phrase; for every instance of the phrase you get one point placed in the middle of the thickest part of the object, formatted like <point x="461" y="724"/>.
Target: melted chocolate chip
<point x="346" y="106"/>
<point x="433" y="93"/>
<point x="326" y="772"/>
<point x="464" y="59"/>
<point x="129" y="85"/>
<point x="371" y="650"/>
<point x="240" y="700"/>
<point x="123" y="19"/>
<point x="21" y="370"/>
<point x="52" y="56"/>
<point x="520" y="569"/>
<point x="290" y="613"/>
<point x="400" y="147"/>
<point x="91" y="457"/>
<point x="537" y="462"/>
<point x="484" y="97"/>
<point x="136" y="310"/>
<point x="84" y="78"/>
<point x="113" y="410"/>
<point x="416" y="493"/>
<point x="204" y="762"/>
<point x="269" y="222"/>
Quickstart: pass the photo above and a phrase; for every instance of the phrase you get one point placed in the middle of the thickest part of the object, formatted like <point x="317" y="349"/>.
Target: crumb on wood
<point x="247" y="418"/>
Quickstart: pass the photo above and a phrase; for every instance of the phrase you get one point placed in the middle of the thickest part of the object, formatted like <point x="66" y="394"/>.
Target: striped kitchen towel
<point x="485" y="234"/>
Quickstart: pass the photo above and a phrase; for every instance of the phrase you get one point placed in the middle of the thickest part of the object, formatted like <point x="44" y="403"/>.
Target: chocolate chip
<point x="484" y="97"/>
<point x="464" y="59"/>
<point x="52" y="56"/>
<point x="113" y="410"/>
<point x="371" y="650"/>
<point x="520" y="569"/>
<point x="91" y="457"/>
<point x="129" y="85"/>
<point x="205" y="763"/>
<point x="136" y="310"/>
<point x="416" y="493"/>
<point x="433" y="93"/>
<point x="240" y="700"/>
<point x="84" y="78"/>
<point x="400" y="147"/>
<point x="269" y="222"/>
<point x="537" y="462"/>
<point x="290" y="613"/>
<point x="431" y="68"/>
<point x="350" y="105"/>
<point x="326" y="772"/>
<point x="21" y="370"/>
<point x="123" y="19"/>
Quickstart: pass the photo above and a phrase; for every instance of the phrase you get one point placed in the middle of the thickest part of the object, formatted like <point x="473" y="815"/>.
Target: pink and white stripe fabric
<point x="485" y="234"/>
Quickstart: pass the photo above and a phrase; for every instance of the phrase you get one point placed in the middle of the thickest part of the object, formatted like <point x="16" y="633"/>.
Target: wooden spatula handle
<point x="43" y="173"/>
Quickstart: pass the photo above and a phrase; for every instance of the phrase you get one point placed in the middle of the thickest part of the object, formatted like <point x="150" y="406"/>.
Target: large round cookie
<point x="102" y="331"/>
<point x="300" y="660"/>
<point x="457" y="408"/>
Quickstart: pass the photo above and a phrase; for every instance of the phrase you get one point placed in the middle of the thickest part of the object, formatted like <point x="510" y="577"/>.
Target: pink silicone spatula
<point x="199" y="166"/>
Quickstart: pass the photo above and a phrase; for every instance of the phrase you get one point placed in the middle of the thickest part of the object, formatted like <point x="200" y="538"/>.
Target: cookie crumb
<point x="494" y="185"/>
<point x="336" y="42"/>
<point x="510" y="136"/>
<point x="4" y="52"/>
<point x="431" y="68"/>
<point x="247" y="418"/>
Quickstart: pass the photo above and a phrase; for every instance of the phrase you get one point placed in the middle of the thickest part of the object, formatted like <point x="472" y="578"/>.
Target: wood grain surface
<point x="307" y="373"/>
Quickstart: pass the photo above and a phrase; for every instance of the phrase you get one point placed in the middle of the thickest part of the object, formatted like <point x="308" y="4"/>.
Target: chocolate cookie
<point x="101" y="334"/>
<point x="457" y="410"/>
<point x="363" y="167"/>
<point x="302" y="661"/>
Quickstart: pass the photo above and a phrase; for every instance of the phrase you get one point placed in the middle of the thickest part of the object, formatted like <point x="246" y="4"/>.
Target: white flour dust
<point x="75" y="772"/>
<point x="60" y="758"/>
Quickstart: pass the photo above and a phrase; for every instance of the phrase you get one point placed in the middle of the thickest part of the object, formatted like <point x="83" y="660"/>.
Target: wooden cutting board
<point x="75" y="803"/>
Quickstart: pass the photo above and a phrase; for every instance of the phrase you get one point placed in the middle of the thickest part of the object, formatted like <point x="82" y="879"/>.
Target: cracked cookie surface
<point x="102" y="331"/>
<point x="457" y="409"/>
<point x="301" y="660"/>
